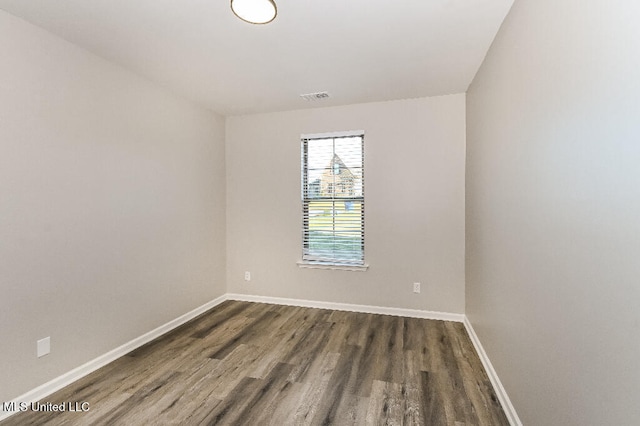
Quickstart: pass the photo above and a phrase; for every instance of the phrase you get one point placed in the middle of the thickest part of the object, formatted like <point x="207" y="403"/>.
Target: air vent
<point x="315" y="96"/>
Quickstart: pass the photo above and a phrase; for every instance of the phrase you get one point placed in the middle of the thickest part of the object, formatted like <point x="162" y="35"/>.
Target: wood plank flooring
<point x="258" y="364"/>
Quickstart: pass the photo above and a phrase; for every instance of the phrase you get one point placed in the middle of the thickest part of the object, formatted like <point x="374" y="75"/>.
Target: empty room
<point x="278" y="212"/>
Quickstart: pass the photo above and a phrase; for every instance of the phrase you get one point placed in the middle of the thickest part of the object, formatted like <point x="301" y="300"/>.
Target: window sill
<point x="339" y="267"/>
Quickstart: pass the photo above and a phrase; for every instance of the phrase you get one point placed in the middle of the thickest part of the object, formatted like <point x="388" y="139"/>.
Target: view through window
<point x="333" y="199"/>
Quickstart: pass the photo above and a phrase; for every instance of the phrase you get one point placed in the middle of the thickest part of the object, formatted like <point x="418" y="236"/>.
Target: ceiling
<point x="357" y="50"/>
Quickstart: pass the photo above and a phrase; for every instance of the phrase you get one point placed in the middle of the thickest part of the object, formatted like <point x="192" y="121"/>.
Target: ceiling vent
<point x="315" y="96"/>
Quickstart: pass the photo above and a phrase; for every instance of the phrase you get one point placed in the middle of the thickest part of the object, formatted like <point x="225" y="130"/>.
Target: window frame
<point x="335" y="262"/>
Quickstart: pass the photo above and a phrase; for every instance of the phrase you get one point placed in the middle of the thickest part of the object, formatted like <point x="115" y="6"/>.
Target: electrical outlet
<point x="43" y="346"/>
<point x="416" y="287"/>
<point x="247" y="276"/>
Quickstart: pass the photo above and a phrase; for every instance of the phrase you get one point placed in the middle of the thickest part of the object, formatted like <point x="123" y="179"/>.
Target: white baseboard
<point x="412" y="313"/>
<point x="507" y="406"/>
<point x="77" y="373"/>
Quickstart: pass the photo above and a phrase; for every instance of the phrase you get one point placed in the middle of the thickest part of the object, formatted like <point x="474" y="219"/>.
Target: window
<point x="333" y="200"/>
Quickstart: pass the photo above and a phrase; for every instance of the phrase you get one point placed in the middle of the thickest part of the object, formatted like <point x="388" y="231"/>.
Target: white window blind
<point x="333" y="199"/>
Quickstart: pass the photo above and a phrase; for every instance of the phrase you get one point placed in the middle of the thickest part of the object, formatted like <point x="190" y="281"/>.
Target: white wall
<point x="414" y="173"/>
<point x="553" y="210"/>
<point x="111" y="206"/>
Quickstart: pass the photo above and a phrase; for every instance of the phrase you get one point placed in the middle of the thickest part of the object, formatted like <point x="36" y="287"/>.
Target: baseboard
<point x="508" y="408"/>
<point x="412" y="313"/>
<point x="66" y="379"/>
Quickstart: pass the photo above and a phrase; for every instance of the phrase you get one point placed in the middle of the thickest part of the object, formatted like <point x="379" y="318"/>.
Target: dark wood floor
<point x="258" y="364"/>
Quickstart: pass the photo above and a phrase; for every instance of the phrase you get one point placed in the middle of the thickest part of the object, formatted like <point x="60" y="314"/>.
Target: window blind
<point x="333" y="199"/>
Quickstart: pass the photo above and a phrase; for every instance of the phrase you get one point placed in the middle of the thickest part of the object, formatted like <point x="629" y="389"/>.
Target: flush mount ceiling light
<point x="255" y="11"/>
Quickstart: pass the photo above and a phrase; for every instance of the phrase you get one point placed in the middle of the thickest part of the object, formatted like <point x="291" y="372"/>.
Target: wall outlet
<point x="43" y="346"/>
<point x="247" y="276"/>
<point x="416" y="287"/>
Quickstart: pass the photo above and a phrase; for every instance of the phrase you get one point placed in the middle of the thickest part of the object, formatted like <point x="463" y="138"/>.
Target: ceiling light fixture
<point x="255" y="11"/>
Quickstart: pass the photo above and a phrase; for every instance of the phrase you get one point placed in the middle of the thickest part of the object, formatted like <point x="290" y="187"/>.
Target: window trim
<point x="328" y="264"/>
<point x="329" y="135"/>
<point x="308" y="264"/>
